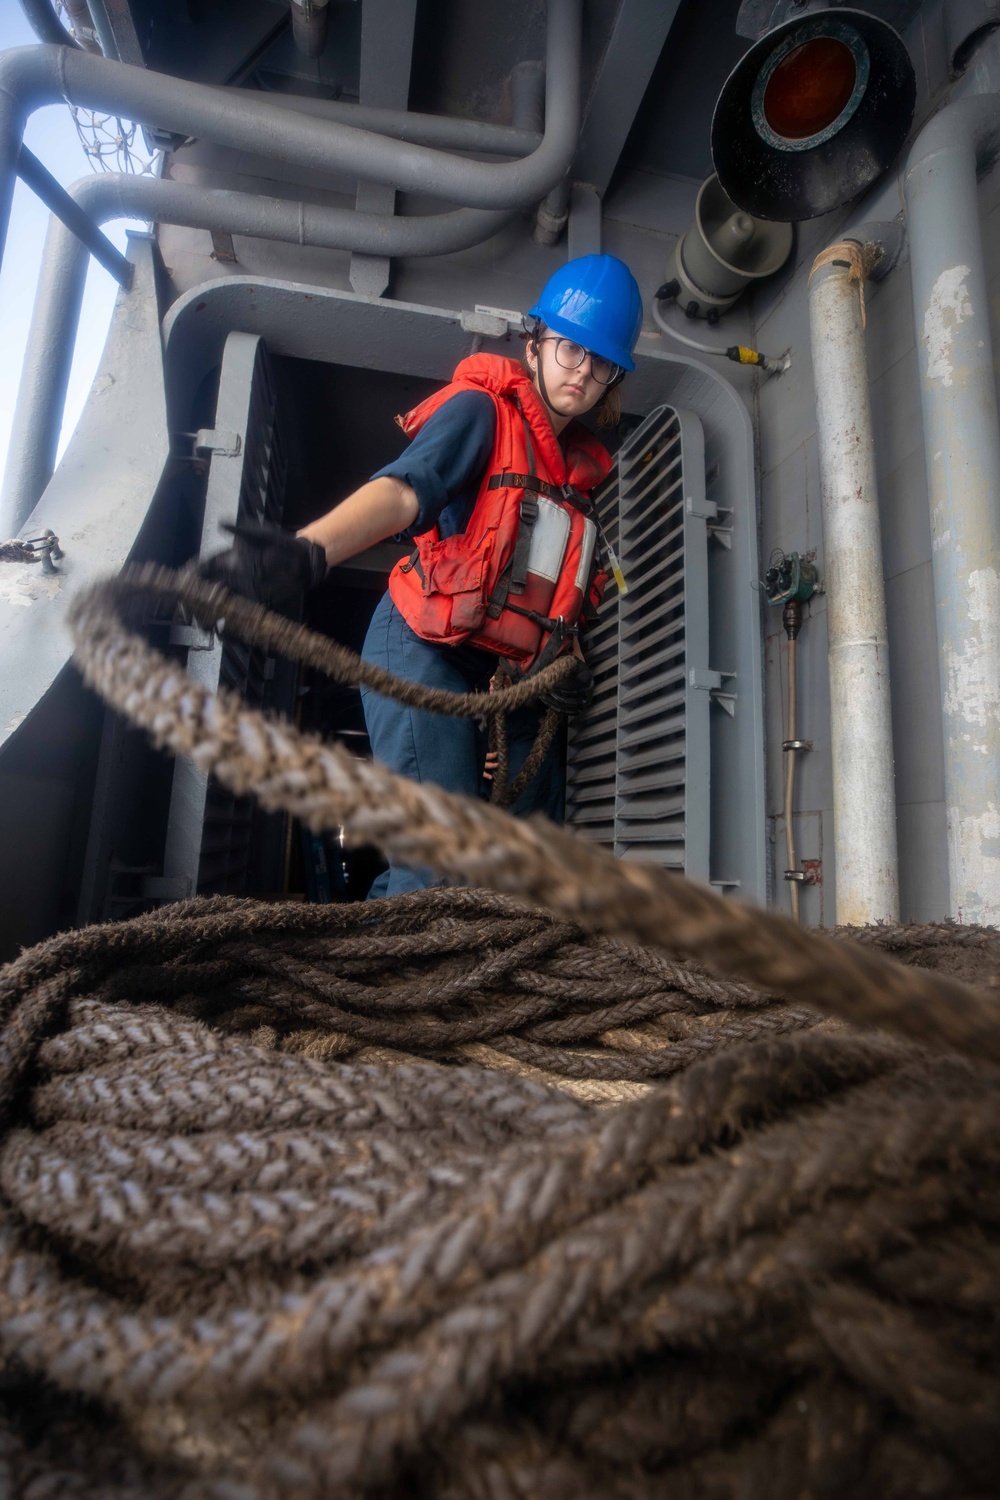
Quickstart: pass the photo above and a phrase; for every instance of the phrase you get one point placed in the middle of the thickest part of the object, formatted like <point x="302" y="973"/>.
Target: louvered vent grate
<point x="639" y="760"/>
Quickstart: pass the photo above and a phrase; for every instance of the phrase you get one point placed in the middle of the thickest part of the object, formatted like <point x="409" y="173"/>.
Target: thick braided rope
<point x="388" y="1272"/>
<point x="251" y="622"/>
<point x="210" y="603"/>
<point x="419" y="824"/>
<point x="15" y="551"/>
<point x="393" y="1299"/>
<point x="441" y="973"/>
<point x="355" y="1258"/>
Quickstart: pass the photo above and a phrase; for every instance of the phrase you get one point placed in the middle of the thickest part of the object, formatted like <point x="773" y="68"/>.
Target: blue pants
<point x="449" y="752"/>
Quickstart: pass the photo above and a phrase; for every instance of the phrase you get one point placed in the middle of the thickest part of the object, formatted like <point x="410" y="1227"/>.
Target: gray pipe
<point x="552" y="214"/>
<point x="962" y="451"/>
<point x="309" y="26"/>
<point x="864" y="802"/>
<point x="443" y="131"/>
<point x="48" y="356"/>
<point x="33" y="76"/>
<point x="48" y="360"/>
<point x="41" y="17"/>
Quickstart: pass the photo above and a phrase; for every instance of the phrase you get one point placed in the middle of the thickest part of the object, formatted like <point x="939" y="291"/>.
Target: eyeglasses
<point x="571" y="356"/>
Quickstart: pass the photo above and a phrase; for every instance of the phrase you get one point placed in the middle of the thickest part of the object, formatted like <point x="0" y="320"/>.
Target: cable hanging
<point x="739" y="353"/>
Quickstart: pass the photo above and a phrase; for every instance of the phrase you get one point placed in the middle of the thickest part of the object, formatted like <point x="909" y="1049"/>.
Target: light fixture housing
<point x="813" y="114"/>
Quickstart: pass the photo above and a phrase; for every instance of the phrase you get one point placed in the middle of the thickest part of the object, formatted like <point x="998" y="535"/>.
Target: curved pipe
<point x="44" y="22"/>
<point x="962" y="455"/>
<point x="48" y="356"/>
<point x="442" y="131"/>
<point x="33" y="76"/>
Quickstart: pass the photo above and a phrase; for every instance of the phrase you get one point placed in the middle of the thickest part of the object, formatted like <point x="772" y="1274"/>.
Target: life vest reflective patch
<point x="525" y="560"/>
<point x="547" y="550"/>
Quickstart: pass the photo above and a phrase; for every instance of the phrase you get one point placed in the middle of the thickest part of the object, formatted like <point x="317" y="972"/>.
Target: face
<point x="570" y="393"/>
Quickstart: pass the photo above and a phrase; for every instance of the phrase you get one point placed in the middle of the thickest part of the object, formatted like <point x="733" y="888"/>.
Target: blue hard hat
<point x="595" y="301"/>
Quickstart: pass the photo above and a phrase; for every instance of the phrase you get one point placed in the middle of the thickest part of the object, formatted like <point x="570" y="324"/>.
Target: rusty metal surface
<point x="864" y="802"/>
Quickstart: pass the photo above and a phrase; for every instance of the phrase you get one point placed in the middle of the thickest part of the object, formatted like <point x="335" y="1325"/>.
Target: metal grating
<point x="638" y="762"/>
<point x="209" y="831"/>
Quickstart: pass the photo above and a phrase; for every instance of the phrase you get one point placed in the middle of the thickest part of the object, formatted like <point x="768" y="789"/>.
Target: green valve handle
<point x="791" y="577"/>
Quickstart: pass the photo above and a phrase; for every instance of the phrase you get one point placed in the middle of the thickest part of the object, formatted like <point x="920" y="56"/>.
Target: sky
<point x="52" y="137"/>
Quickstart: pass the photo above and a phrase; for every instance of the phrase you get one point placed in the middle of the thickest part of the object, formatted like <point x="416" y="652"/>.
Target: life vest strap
<point x="527" y="517"/>
<point x="498" y="599"/>
<point x="545" y="622"/>
<point x="508" y="481"/>
<point x="412" y="564"/>
<point x="553" y="646"/>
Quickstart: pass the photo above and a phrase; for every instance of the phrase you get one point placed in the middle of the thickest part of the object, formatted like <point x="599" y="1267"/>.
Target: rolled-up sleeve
<point x="444" y="462"/>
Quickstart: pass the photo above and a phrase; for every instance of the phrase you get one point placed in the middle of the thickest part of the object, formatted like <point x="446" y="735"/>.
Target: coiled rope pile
<point x="279" y="1219"/>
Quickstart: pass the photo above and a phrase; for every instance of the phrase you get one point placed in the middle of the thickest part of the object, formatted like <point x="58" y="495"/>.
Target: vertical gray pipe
<point x="962" y="452"/>
<point x="527" y="96"/>
<point x="864" y="801"/>
<point x="310" y="19"/>
<point x="48" y="360"/>
<point x="11" y="131"/>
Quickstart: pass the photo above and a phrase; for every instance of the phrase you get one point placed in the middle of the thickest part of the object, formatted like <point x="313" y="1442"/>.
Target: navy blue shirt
<point x="444" y="463"/>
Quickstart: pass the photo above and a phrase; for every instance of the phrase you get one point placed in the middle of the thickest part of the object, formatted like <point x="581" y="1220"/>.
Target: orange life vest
<point x="516" y="580"/>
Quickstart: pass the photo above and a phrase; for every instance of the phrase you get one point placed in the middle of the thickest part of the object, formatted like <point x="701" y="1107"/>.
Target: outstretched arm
<point x="379" y="509"/>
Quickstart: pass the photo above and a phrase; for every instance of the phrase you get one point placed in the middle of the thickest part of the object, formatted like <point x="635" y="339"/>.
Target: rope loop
<point x="579" y="1186"/>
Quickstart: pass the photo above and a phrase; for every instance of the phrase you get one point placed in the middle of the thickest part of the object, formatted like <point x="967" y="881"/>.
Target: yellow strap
<point x="747" y="356"/>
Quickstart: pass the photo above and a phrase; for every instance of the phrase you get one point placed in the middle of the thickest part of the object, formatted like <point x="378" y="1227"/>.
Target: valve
<point x="790" y="576"/>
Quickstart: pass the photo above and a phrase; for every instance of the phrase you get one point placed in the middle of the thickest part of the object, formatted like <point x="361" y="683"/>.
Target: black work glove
<point x="574" y="693"/>
<point x="270" y="566"/>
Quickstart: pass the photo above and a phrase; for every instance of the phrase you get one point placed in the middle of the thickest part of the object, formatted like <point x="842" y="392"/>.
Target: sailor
<point x="494" y="490"/>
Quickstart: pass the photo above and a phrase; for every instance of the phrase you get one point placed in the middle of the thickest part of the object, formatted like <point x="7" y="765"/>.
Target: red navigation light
<point x="809" y="88"/>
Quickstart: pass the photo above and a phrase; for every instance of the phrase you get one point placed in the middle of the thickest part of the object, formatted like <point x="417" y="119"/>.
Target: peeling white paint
<point x="972" y="667"/>
<point x="25" y="584"/>
<point x="17" y="720"/>
<point x="976" y="850"/>
<point x="949" y="306"/>
<point x="941" y="541"/>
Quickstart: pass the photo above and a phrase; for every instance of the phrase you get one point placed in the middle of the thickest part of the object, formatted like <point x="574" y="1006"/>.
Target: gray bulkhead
<point x="348" y="355"/>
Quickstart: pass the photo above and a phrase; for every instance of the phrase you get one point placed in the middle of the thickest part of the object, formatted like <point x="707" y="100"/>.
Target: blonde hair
<point x="608" y="408"/>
